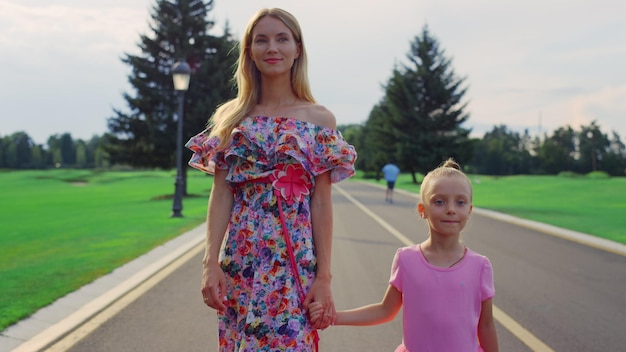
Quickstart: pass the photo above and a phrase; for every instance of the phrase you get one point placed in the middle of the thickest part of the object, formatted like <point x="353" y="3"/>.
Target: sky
<point x="528" y="64"/>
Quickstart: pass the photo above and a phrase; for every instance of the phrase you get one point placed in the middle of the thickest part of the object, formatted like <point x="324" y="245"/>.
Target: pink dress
<point x="272" y="163"/>
<point x="441" y="306"/>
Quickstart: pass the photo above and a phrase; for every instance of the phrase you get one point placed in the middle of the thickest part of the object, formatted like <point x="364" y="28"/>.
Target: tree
<point x="557" y="152"/>
<point x="424" y="109"/>
<point x="146" y="136"/>
<point x="19" y="150"/>
<point x="38" y="157"/>
<point x="615" y="161"/>
<point x="62" y="149"/>
<point x="593" y="146"/>
<point x="81" y="154"/>
<point x="503" y="152"/>
<point x="377" y="140"/>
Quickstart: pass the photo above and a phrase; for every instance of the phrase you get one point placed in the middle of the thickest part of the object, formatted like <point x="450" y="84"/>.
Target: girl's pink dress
<point x="441" y="306"/>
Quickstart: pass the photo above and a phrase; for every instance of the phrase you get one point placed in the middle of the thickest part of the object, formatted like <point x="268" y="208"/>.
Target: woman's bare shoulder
<point x="318" y="115"/>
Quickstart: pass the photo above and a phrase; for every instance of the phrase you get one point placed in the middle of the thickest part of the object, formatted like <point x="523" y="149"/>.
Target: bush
<point x="597" y="175"/>
<point x="569" y="174"/>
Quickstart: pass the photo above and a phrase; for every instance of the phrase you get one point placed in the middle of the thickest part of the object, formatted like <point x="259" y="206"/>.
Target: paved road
<point x="565" y="295"/>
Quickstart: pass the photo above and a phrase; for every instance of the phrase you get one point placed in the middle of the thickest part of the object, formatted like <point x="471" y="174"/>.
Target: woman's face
<point x="273" y="48"/>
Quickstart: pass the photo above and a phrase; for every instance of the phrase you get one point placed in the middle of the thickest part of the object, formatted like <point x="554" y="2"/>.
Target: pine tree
<point x="424" y="102"/>
<point x="378" y="140"/>
<point x="146" y="135"/>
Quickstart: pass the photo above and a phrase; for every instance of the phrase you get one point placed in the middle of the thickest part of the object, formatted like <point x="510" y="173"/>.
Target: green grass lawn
<point x="61" y="229"/>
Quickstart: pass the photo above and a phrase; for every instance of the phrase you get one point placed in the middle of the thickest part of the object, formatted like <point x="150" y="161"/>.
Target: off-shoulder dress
<point x="272" y="163"/>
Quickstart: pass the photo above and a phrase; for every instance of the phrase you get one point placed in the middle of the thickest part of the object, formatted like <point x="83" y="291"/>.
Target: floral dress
<point x="272" y="163"/>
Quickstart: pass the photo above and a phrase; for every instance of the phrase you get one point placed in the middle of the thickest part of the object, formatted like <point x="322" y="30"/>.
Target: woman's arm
<point x="322" y="227"/>
<point x="373" y="314"/>
<point x="487" y="335"/>
<point x="218" y="217"/>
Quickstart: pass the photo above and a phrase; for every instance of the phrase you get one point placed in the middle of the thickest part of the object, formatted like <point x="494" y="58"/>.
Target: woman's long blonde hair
<point x="248" y="78"/>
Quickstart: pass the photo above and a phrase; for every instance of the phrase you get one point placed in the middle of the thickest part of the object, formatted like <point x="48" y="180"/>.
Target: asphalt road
<point x="565" y="295"/>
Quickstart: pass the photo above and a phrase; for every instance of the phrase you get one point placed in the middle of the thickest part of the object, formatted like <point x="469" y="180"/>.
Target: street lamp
<point x="180" y="75"/>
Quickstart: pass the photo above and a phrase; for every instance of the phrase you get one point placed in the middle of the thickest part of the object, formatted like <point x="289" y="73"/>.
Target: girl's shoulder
<point x="472" y="254"/>
<point x="411" y="252"/>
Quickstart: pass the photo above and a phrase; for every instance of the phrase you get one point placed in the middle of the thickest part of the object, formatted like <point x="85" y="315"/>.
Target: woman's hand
<point x="214" y="286"/>
<point x="320" y="294"/>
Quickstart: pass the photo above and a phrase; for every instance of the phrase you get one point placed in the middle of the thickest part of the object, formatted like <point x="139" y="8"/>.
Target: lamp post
<point x="180" y="75"/>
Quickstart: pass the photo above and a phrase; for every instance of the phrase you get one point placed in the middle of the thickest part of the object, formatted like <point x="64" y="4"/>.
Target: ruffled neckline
<point x="292" y="119"/>
<point x="260" y="142"/>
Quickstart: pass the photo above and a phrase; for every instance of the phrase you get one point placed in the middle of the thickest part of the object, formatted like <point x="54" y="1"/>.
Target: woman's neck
<point x="276" y="106"/>
<point x="276" y="92"/>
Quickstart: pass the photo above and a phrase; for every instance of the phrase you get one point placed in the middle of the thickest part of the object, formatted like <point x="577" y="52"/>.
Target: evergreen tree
<point x="593" y="146"/>
<point x="615" y="161"/>
<point x="379" y="140"/>
<point x="81" y="154"/>
<point x="502" y="152"/>
<point x="15" y="151"/>
<point x="425" y="109"/>
<point x="146" y="136"/>
<point x="557" y="151"/>
<point x="68" y="150"/>
<point x="38" y="157"/>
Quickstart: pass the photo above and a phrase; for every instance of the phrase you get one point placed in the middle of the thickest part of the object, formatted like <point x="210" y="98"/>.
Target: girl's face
<point x="273" y="48"/>
<point x="447" y="205"/>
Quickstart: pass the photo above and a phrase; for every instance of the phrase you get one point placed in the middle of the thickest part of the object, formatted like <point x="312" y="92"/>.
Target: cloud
<point x="607" y="107"/>
<point x="530" y="64"/>
<point x="63" y="65"/>
<point x="47" y="34"/>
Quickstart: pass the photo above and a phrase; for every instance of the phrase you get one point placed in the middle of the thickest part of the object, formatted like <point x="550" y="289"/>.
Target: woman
<point x="274" y="153"/>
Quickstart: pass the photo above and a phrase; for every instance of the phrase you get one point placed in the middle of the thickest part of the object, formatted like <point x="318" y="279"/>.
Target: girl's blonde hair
<point x="248" y="78"/>
<point x="447" y="168"/>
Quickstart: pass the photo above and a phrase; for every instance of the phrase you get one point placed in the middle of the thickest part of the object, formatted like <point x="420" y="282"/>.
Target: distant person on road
<point x="390" y="173"/>
<point x="274" y="154"/>
<point x="444" y="287"/>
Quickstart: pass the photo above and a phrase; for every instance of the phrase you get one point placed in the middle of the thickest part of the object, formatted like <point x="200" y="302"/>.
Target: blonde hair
<point x="248" y="78"/>
<point x="446" y="169"/>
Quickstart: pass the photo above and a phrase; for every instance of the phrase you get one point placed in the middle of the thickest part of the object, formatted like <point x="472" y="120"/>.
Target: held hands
<point x="214" y="286"/>
<point x="319" y="303"/>
<point x="316" y="311"/>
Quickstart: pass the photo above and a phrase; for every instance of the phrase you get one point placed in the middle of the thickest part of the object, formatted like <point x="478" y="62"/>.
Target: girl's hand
<point x="214" y="286"/>
<point x="320" y="293"/>
<point x="316" y="310"/>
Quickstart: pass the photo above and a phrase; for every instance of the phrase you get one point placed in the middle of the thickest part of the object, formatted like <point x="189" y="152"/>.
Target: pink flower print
<point x="291" y="182"/>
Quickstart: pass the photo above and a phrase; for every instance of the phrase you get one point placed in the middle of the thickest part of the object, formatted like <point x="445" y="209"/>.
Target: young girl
<point x="274" y="153"/>
<point x="444" y="287"/>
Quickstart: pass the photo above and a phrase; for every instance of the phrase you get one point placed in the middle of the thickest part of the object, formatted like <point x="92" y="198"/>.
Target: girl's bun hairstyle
<point x="451" y="163"/>
<point x="446" y="168"/>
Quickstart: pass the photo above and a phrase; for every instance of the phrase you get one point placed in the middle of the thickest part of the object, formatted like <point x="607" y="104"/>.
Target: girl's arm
<point x="218" y="217"/>
<point x="373" y="314"/>
<point x="322" y="227"/>
<point x="487" y="335"/>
